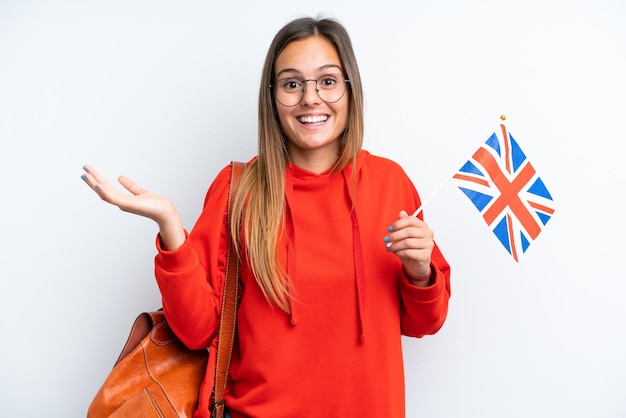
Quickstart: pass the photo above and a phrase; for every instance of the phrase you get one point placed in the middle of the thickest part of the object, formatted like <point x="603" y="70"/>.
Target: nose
<point x="310" y="95"/>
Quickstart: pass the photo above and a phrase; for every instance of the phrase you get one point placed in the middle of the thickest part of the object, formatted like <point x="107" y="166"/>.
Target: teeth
<point x="313" y="119"/>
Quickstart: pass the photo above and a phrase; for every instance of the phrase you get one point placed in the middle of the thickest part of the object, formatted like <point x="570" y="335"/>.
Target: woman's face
<point x="312" y="126"/>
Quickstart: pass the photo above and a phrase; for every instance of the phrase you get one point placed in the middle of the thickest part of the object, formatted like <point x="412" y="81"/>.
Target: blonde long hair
<point x="258" y="207"/>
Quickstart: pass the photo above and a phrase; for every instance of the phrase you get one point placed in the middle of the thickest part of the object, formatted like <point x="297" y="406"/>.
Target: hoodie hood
<point x="350" y="180"/>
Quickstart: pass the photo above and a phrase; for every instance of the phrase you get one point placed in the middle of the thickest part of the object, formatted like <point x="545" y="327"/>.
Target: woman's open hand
<point x="140" y="202"/>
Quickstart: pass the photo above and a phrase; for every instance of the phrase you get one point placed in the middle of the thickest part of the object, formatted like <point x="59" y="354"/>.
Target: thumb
<point x="403" y="214"/>
<point x="130" y="185"/>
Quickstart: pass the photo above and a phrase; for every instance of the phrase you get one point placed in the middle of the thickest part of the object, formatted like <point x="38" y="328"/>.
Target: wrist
<point x="421" y="281"/>
<point x="172" y="233"/>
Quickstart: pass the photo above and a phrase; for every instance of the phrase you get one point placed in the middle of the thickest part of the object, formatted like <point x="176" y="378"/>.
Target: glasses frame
<point x="303" y="83"/>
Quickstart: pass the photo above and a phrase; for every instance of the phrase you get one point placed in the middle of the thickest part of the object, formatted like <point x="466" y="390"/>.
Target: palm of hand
<point x="140" y="201"/>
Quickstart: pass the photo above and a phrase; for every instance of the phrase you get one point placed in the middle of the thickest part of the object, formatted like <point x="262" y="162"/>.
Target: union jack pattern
<point x="506" y="190"/>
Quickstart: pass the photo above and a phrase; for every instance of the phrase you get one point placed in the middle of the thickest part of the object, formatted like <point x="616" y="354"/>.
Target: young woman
<point x="333" y="272"/>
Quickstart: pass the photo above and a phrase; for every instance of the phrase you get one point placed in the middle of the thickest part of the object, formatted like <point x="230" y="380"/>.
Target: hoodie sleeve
<point x="191" y="277"/>
<point x="424" y="309"/>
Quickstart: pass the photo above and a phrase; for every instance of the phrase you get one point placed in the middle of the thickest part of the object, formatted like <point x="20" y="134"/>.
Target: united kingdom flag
<point x="506" y="190"/>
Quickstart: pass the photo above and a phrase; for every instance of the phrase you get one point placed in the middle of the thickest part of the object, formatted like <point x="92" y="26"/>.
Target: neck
<point x="315" y="161"/>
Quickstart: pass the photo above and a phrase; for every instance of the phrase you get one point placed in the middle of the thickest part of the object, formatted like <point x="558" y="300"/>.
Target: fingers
<point x="411" y="239"/>
<point x="408" y="226"/>
<point x="107" y="191"/>
<point x="93" y="178"/>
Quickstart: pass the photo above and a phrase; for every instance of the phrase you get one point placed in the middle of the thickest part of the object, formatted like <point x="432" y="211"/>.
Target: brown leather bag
<point x="156" y="375"/>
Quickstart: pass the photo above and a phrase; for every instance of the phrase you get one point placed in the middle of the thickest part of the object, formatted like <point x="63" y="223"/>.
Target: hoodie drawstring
<point x="357" y="252"/>
<point x="291" y="244"/>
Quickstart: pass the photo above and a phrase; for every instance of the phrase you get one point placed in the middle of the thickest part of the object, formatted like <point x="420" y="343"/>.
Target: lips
<point x="312" y="119"/>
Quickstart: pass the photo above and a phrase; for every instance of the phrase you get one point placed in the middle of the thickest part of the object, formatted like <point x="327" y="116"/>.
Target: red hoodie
<point x="339" y="352"/>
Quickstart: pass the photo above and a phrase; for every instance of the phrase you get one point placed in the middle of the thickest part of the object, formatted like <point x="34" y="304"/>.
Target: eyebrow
<point x="322" y="68"/>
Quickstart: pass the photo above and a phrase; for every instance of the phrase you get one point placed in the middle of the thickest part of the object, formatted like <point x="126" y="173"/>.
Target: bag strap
<point x="228" y="317"/>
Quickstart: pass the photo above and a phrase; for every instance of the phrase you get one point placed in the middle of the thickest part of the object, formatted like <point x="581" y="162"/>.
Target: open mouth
<point x="313" y="120"/>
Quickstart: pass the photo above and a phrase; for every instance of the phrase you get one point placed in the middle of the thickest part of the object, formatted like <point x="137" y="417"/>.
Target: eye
<point x="290" y="84"/>
<point x="328" y="81"/>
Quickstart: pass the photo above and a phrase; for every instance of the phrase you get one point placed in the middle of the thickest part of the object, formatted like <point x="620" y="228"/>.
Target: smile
<point x="313" y="119"/>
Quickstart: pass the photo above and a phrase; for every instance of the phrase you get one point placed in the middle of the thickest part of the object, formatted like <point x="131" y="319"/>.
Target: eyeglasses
<point x="290" y="91"/>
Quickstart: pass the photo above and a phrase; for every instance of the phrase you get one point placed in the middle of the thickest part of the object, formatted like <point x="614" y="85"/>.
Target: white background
<point x="166" y="93"/>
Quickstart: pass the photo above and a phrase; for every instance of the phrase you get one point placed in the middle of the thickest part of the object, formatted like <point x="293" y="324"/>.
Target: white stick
<point x="447" y="178"/>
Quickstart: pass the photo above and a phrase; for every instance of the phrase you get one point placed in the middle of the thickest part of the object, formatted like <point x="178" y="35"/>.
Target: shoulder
<point x="222" y="179"/>
<point x="376" y="171"/>
<point x="371" y="162"/>
<point x="221" y="183"/>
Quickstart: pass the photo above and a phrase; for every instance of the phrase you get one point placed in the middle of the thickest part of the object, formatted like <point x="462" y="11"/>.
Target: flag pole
<point x="447" y="178"/>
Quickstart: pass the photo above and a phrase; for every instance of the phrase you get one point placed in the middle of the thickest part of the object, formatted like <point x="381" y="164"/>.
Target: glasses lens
<point x="330" y="88"/>
<point x="288" y="91"/>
